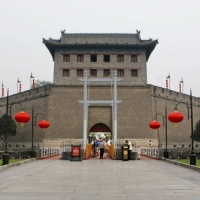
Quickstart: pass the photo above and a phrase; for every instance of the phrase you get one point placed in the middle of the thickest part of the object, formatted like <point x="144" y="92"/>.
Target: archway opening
<point x="100" y="127"/>
<point x="99" y="131"/>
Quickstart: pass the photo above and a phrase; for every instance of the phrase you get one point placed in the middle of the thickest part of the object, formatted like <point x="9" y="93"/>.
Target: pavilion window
<point x="93" y="58"/>
<point x="133" y="58"/>
<point x="134" y="73"/>
<point x="120" y="58"/>
<point x="66" y="73"/>
<point x="120" y="73"/>
<point x="80" y="58"/>
<point x="106" y="58"/>
<point x="93" y="72"/>
<point x="79" y="72"/>
<point x="66" y="58"/>
<point x="106" y="72"/>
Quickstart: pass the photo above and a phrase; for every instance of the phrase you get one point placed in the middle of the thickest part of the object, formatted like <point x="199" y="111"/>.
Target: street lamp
<point x="42" y="124"/>
<point x="20" y="117"/>
<point x="178" y="117"/>
<point x="155" y="125"/>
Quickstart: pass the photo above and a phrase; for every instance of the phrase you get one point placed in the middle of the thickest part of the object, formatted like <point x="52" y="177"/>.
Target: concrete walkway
<point x="53" y="179"/>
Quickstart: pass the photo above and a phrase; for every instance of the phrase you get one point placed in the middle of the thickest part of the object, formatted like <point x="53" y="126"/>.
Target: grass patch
<point x="11" y="161"/>
<point x="187" y="161"/>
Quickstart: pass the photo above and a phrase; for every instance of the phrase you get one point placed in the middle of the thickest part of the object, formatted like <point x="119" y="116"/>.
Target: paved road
<point x="53" y="179"/>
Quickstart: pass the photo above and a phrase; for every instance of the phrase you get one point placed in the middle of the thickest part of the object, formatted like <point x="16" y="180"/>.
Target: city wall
<point x="61" y="107"/>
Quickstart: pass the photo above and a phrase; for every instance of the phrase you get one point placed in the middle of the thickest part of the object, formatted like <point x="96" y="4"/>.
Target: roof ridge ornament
<point x="138" y="33"/>
<point x="63" y="32"/>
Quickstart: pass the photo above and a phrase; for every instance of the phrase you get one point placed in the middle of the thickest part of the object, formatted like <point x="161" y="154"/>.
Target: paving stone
<point x="99" y="179"/>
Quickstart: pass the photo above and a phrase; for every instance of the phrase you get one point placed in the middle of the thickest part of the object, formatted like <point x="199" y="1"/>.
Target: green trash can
<point x="5" y="158"/>
<point x="192" y="159"/>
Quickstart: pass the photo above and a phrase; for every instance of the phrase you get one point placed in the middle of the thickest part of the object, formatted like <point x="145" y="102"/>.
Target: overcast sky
<point x="175" y="23"/>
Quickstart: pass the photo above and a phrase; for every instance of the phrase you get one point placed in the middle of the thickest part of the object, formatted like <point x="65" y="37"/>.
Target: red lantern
<point x="43" y="124"/>
<point x="22" y="117"/>
<point x="154" y="124"/>
<point x="175" y="117"/>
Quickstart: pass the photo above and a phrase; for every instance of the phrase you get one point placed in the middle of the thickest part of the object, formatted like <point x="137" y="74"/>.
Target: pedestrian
<point x="106" y="150"/>
<point x="102" y="147"/>
<point x="129" y="149"/>
<point x="97" y="148"/>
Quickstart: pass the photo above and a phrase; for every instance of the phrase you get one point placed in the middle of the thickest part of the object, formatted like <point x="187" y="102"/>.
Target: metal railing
<point x="46" y="152"/>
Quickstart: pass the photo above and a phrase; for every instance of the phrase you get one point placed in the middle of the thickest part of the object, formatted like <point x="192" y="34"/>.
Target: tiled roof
<point x="100" y="38"/>
<point x="106" y="41"/>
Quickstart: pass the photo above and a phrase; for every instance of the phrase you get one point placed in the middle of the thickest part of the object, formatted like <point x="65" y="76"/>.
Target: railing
<point x="46" y="152"/>
<point x="150" y="151"/>
<point x="16" y="153"/>
<point x="174" y="152"/>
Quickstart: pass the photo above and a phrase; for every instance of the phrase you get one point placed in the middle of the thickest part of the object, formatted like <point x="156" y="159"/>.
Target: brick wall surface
<point x="73" y="65"/>
<point x="61" y="107"/>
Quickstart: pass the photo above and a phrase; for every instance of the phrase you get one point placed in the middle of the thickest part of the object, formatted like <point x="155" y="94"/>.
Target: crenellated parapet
<point x="174" y="96"/>
<point x="28" y="95"/>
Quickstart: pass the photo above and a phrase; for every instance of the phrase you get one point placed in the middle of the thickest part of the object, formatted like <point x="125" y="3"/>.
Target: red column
<point x="33" y="84"/>
<point x="2" y="90"/>
<point x="166" y="84"/>
<point x="180" y="87"/>
<point x="20" y="87"/>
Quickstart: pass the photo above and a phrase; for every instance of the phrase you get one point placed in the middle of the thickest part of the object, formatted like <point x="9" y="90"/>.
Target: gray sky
<point x="175" y="23"/>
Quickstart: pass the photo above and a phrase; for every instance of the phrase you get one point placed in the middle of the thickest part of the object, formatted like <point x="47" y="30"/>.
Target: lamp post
<point x="178" y="117"/>
<point x="155" y="125"/>
<point x="20" y="117"/>
<point x="42" y="124"/>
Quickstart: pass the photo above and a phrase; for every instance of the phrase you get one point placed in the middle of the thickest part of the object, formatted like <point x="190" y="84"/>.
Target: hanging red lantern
<point x="154" y="124"/>
<point x="43" y="124"/>
<point x="22" y="117"/>
<point x="175" y="117"/>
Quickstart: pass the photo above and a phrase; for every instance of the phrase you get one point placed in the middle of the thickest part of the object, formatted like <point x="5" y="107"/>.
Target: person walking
<point x="101" y="146"/>
<point x="97" y="148"/>
<point x="129" y="149"/>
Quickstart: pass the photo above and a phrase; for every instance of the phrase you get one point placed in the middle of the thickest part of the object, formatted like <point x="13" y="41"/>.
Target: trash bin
<point x="125" y="153"/>
<point x="192" y="159"/>
<point x="166" y="154"/>
<point x="32" y="153"/>
<point x="5" y="158"/>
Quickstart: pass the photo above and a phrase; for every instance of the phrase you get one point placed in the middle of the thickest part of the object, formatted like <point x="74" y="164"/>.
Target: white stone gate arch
<point x="113" y="102"/>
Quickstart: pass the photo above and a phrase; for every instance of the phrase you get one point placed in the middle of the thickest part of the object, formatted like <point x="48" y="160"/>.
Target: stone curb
<point x="17" y="163"/>
<point x="193" y="167"/>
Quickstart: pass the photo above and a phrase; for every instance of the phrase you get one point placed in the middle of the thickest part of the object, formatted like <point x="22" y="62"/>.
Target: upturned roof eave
<point x="59" y="44"/>
<point x="52" y="45"/>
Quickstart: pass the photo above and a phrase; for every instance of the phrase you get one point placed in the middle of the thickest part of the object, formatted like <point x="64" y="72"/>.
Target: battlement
<point x="164" y="93"/>
<point x="28" y="95"/>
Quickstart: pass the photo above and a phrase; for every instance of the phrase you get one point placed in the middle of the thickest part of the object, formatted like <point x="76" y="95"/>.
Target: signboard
<point x="75" y="151"/>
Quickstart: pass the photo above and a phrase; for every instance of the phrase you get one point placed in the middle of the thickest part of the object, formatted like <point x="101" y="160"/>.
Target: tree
<point x="8" y="128"/>
<point x="39" y="83"/>
<point x="196" y="135"/>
